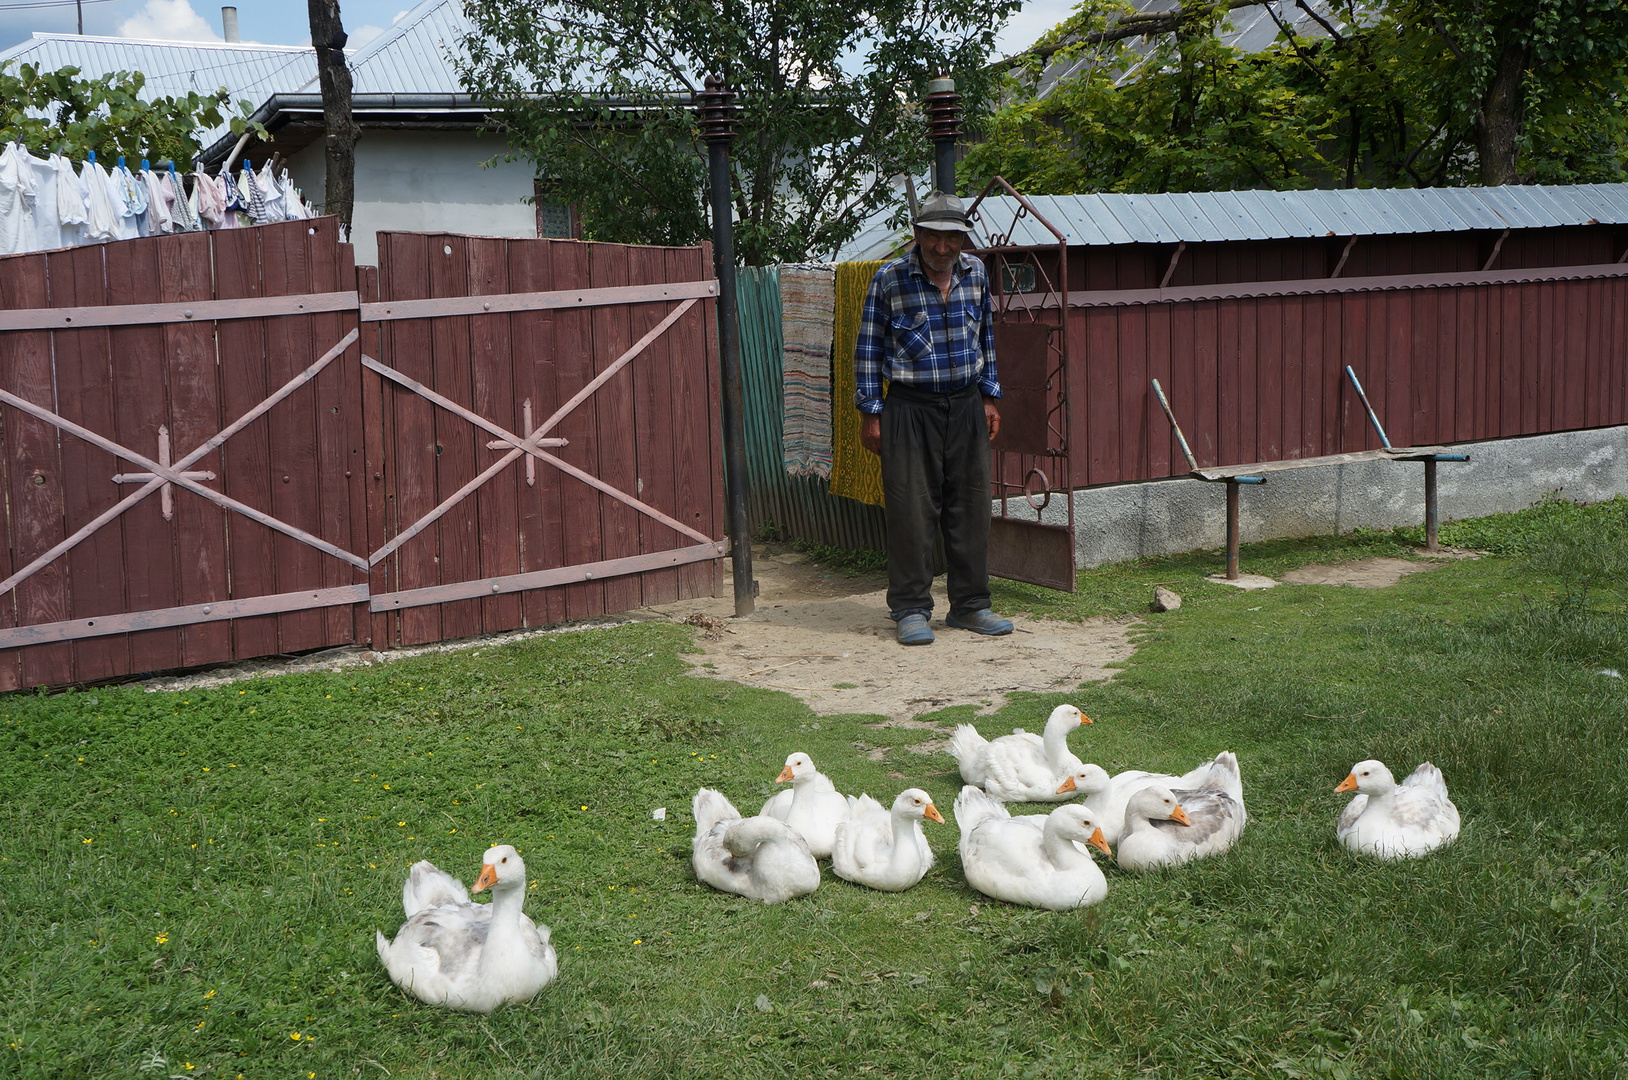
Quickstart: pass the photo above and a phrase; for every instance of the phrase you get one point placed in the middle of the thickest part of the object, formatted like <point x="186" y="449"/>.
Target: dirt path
<point x="825" y="637"/>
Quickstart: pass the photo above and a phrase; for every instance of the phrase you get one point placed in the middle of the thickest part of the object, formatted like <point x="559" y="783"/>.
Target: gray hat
<point x="944" y="213"/>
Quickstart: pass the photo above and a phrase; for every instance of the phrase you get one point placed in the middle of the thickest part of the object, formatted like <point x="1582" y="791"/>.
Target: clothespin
<point x="144" y="166"/>
<point x="121" y="161"/>
<point x="90" y="156"/>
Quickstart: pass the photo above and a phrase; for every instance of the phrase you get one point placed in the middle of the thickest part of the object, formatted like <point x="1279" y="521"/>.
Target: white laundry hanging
<point x="72" y="215"/>
<point x="103" y="217"/>
<point x="16" y="201"/>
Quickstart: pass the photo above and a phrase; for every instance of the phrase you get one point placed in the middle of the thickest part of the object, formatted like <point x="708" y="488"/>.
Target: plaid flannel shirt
<point x="911" y="335"/>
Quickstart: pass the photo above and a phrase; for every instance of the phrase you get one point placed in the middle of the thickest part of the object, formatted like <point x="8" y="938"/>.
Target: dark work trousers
<point x="935" y="474"/>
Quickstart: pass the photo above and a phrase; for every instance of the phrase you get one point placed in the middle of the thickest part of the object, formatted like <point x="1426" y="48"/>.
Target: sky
<point x="286" y="22"/>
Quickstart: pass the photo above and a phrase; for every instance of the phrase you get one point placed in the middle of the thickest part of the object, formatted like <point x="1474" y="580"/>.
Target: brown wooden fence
<point x="227" y="445"/>
<point x="1255" y="369"/>
<point x="1259" y="375"/>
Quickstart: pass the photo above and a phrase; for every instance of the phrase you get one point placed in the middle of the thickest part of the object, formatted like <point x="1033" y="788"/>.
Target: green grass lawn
<point x="190" y="882"/>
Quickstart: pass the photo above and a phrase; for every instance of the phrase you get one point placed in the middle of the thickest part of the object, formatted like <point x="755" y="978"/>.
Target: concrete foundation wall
<point x="1164" y="517"/>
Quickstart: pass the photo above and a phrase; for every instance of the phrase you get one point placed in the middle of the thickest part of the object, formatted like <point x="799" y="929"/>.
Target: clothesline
<point x="45" y="204"/>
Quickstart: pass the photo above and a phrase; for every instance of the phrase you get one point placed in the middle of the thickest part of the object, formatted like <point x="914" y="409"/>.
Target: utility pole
<point x="717" y="114"/>
<point x="328" y="38"/>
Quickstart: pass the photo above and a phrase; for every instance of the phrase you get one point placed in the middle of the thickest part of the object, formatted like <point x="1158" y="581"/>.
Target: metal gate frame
<point x="1035" y="412"/>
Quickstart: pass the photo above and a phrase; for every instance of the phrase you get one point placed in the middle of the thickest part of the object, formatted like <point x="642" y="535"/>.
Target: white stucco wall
<point x="426" y="181"/>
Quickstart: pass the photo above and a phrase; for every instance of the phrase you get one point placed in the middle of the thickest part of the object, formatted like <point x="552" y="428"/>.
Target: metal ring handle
<point x="1045" y="489"/>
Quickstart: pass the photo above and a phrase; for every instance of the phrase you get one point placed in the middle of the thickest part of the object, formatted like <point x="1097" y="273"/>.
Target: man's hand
<point x="992" y="414"/>
<point x="870" y="432"/>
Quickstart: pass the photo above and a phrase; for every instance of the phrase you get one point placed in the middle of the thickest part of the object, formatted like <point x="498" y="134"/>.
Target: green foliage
<point x="190" y="881"/>
<point x="599" y="95"/>
<point x="61" y="112"/>
<point x="1400" y="93"/>
<point x="853" y="561"/>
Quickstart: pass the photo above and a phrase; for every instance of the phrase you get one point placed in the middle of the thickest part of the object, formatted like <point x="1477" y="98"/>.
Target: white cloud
<point x="355" y="39"/>
<point x="168" y="20"/>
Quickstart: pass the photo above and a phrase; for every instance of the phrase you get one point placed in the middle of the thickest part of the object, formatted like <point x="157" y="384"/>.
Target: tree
<point x="1536" y="86"/>
<point x="1387" y="93"/>
<point x="598" y="93"/>
<point x="61" y="112"/>
<point x="328" y="38"/>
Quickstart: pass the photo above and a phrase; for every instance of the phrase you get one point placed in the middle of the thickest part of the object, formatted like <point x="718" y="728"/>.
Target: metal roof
<point x="1199" y="217"/>
<point x="174" y="68"/>
<point x="1250" y="30"/>
<point x="414" y="56"/>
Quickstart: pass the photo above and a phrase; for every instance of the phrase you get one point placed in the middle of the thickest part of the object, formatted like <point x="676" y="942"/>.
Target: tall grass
<point x="189" y="882"/>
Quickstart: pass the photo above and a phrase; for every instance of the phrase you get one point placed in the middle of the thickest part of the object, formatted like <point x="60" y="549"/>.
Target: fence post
<point x="717" y="115"/>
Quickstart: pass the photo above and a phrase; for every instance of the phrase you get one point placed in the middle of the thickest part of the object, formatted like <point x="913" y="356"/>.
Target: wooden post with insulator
<point x="944" y="129"/>
<point x="716" y="117"/>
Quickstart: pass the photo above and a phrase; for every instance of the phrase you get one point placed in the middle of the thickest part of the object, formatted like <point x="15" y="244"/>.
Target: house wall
<point x="426" y="181"/>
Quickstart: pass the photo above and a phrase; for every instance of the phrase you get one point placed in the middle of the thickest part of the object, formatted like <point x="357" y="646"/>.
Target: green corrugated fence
<point x="783" y="506"/>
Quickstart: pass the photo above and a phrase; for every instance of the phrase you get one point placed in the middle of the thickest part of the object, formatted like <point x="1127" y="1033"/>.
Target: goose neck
<point x="1059" y="849"/>
<point x="1055" y="740"/>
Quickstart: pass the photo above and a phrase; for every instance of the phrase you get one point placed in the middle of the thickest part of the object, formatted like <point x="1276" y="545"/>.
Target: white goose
<point x="758" y="857"/>
<point x="1396" y="821"/>
<point x="1031" y="859"/>
<point x="1020" y="767"/>
<point x="1219" y="774"/>
<point x="884" y="849"/>
<point x="812" y="805"/>
<point x="1166" y="828"/>
<point x="469" y="957"/>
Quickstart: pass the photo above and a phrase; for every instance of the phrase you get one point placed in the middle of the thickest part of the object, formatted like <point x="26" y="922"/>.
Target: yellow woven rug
<point x="856" y="473"/>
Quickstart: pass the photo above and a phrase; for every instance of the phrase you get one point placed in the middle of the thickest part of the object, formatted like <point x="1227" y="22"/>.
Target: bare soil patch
<point x="824" y="637"/>
<point x="1375" y="573"/>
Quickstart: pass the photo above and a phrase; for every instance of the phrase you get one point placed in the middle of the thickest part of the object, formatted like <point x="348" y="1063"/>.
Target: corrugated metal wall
<point x="1262" y="377"/>
<point x="1251" y="338"/>
<point x="786" y="507"/>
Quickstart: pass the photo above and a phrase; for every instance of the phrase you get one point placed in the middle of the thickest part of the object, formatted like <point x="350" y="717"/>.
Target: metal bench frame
<point x="1234" y="476"/>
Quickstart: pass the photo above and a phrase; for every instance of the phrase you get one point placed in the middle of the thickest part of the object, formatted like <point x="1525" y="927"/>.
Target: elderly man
<point x="927" y="330"/>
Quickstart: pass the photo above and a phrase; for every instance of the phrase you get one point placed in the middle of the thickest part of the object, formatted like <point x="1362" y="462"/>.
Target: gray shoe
<point x="913" y="630"/>
<point x="979" y="622"/>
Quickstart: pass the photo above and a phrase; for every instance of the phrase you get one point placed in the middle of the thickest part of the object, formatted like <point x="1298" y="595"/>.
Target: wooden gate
<point x="217" y="448"/>
<point x="549" y="429"/>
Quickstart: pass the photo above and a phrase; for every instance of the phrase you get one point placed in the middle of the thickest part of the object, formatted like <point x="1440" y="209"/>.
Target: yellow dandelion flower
<point x="86" y="840"/>
<point x="294" y="1035"/>
<point x="210" y="994"/>
<point x="161" y="938"/>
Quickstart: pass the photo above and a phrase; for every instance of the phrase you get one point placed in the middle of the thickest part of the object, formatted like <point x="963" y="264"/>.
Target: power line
<point x="50" y="4"/>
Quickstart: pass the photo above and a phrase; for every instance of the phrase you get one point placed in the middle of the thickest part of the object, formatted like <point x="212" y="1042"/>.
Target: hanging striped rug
<point x="807" y="320"/>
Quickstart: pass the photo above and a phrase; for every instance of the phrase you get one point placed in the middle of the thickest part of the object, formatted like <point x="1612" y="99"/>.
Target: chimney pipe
<point x="228" y="23"/>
